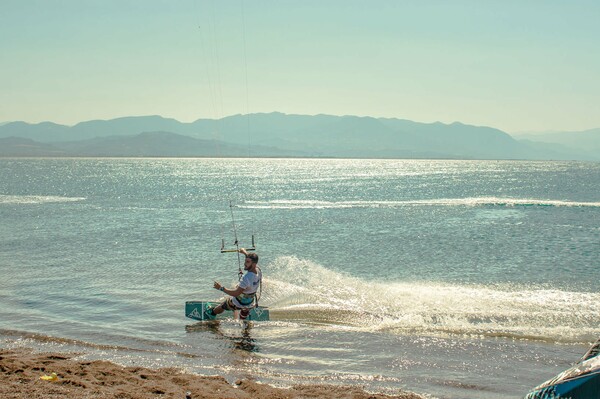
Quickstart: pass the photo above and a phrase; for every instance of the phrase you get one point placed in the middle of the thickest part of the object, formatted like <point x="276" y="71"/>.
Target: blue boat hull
<point x="581" y="381"/>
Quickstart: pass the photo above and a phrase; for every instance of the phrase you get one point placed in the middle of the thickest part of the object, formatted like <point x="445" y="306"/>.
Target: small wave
<point x="300" y="290"/>
<point x="20" y="339"/>
<point x="25" y="338"/>
<point x="510" y="202"/>
<point x="36" y="199"/>
<point x="471" y="202"/>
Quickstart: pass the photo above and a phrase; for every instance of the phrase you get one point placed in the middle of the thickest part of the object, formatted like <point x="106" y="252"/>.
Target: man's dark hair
<point x="253" y="257"/>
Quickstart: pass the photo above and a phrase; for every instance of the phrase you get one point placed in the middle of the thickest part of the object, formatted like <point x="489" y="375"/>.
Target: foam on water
<point x="36" y="199"/>
<point x="473" y="202"/>
<point x="302" y="290"/>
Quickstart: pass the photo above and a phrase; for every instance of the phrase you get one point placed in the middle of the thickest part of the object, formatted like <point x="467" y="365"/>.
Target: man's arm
<point x="235" y="292"/>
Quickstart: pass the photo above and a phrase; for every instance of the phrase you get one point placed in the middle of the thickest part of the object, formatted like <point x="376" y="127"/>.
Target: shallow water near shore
<point x="458" y="279"/>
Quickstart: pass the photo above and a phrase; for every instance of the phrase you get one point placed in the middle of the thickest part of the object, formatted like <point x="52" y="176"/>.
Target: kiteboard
<point x="197" y="310"/>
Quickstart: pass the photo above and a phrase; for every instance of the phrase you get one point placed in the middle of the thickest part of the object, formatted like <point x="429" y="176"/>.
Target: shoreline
<point x="21" y="369"/>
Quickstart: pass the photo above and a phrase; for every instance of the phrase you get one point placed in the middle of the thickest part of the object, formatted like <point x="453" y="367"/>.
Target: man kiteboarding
<point x="243" y="296"/>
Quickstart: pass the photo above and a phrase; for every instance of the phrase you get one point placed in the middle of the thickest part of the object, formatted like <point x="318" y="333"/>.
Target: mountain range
<point x="282" y="135"/>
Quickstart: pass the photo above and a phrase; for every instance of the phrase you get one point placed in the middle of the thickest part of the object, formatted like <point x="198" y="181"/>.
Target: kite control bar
<point x="224" y="250"/>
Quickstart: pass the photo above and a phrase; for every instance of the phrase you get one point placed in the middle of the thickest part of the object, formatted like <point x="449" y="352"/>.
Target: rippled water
<point x="475" y="279"/>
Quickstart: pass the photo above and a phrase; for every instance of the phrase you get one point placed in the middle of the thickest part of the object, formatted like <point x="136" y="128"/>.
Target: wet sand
<point x="21" y="369"/>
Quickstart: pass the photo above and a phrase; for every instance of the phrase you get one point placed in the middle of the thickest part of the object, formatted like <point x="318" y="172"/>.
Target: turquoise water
<point x="461" y="279"/>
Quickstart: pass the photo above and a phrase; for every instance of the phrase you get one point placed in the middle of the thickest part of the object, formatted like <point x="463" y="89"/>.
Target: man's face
<point x="247" y="264"/>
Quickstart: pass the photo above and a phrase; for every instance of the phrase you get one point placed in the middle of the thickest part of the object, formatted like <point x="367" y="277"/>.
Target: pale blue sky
<point x="515" y="65"/>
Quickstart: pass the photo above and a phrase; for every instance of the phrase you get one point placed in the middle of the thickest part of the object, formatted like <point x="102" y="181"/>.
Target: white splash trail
<point x="36" y="199"/>
<point x="471" y="202"/>
<point x="301" y="289"/>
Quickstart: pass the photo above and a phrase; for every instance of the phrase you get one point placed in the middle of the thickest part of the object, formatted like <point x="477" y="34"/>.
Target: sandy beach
<point x="22" y="370"/>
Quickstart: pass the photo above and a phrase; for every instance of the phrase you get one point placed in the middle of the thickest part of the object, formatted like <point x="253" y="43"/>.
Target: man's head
<point x="251" y="261"/>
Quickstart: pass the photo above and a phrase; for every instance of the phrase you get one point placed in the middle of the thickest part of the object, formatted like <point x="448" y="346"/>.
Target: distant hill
<point x="149" y="144"/>
<point x="587" y="140"/>
<point x="277" y="134"/>
<point x="49" y="132"/>
<point x="20" y="147"/>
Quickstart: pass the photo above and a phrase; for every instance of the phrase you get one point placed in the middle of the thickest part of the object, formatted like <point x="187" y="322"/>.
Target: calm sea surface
<point x="460" y="279"/>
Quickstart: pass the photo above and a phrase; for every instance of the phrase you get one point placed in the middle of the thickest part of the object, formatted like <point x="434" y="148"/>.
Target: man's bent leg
<point x="244" y="313"/>
<point x="227" y="305"/>
<point x="215" y="311"/>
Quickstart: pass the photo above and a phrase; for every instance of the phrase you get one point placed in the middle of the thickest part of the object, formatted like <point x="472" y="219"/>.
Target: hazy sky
<point x="515" y="65"/>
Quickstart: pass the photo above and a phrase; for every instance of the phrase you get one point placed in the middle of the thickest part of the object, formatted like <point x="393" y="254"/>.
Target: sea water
<point x="457" y="279"/>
